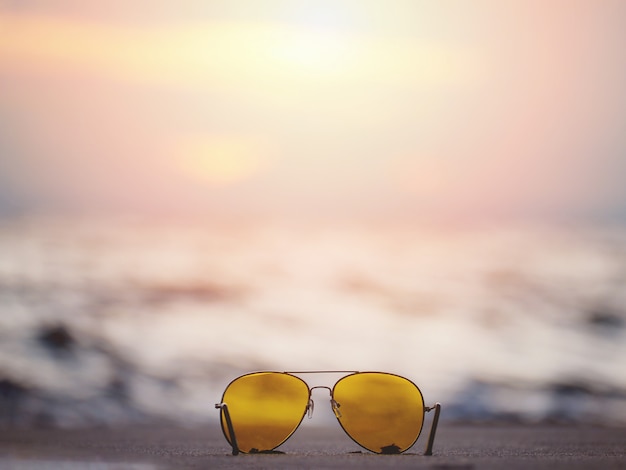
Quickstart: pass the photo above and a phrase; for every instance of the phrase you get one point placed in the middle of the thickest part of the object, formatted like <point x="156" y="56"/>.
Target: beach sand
<point x="457" y="446"/>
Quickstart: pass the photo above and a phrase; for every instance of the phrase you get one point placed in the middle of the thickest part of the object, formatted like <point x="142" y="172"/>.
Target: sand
<point x="161" y="446"/>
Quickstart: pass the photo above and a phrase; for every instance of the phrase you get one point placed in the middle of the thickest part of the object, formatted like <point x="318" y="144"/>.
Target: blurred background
<point x="192" y="190"/>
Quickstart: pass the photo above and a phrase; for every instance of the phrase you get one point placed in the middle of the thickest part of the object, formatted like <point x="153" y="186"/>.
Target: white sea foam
<point x="524" y="323"/>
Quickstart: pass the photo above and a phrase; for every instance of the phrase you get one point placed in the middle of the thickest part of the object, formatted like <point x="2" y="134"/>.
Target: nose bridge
<point x="311" y="404"/>
<point x="330" y="390"/>
<point x="333" y="404"/>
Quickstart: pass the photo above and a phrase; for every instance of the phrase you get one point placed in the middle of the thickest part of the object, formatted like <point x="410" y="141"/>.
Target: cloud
<point x="230" y="54"/>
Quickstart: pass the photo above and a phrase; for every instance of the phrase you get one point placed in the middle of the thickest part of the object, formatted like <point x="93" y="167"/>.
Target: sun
<point x="221" y="160"/>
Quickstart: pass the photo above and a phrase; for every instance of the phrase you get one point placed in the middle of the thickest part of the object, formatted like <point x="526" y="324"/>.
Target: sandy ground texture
<point x="457" y="447"/>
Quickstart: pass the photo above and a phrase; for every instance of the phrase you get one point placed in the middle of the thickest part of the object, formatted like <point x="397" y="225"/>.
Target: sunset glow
<point x="436" y="109"/>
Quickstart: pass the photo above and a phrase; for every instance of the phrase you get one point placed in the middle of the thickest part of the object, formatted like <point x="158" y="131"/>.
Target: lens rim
<point x="222" y="418"/>
<point x="419" y="392"/>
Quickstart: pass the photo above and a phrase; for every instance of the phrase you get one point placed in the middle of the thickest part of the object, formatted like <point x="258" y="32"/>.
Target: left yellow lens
<point x="265" y="409"/>
<point x="383" y="413"/>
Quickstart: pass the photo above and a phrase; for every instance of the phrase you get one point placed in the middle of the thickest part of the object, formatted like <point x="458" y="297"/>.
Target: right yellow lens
<point x="265" y="409"/>
<point x="383" y="413"/>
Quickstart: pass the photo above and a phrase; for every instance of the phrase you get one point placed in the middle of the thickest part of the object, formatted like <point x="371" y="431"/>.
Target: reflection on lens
<point x="265" y="409"/>
<point x="381" y="412"/>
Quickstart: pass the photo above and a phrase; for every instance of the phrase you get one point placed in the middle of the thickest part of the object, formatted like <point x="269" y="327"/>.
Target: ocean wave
<point x="107" y="324"/>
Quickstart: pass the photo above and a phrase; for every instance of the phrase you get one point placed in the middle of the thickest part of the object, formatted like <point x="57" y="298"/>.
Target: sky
<point x="414" y="110"/>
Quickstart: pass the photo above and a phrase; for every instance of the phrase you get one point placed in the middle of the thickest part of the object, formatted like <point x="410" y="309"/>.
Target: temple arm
<point x="231" y="431"/>
<point x="433" y="428"/>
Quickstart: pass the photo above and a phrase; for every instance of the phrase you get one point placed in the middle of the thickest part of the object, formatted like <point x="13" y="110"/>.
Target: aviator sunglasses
<point x="382" y="412"/>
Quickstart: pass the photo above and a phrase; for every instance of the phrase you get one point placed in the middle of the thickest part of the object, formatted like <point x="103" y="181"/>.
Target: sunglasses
<point x="382" y="412"/>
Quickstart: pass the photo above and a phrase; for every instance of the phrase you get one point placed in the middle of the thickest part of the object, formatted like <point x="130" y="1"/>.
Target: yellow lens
<point x="381" y="412"/>
<point x="265" y="409"/>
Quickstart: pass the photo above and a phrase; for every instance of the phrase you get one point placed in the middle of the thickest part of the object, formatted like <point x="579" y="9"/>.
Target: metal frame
<point x="223" y="407"/>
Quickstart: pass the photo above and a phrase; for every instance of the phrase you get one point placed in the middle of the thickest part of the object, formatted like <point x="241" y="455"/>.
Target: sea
<point x="110" y="321"/>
